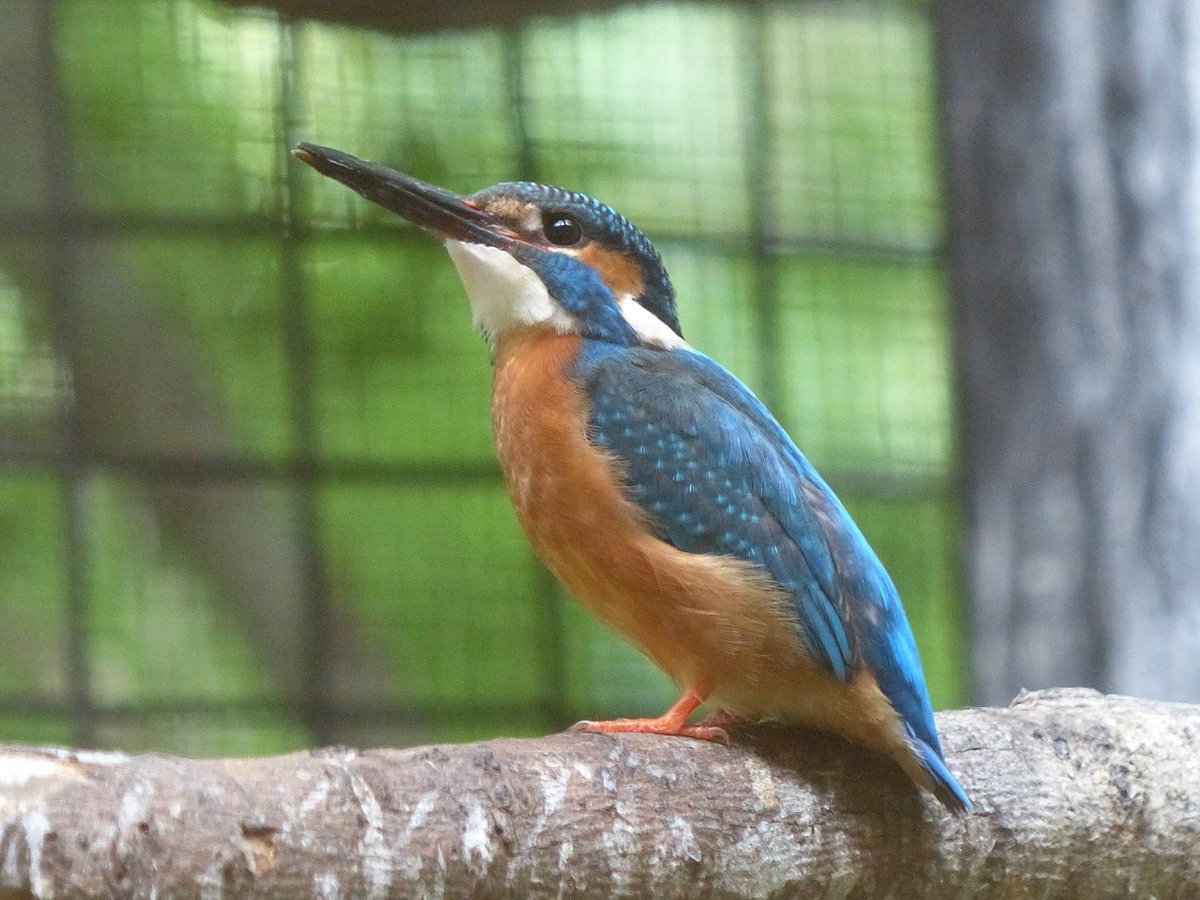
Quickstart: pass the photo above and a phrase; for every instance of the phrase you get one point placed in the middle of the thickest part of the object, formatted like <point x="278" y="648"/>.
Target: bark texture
<point x="1073" y="168"/>
<point x="1077" y="795"/>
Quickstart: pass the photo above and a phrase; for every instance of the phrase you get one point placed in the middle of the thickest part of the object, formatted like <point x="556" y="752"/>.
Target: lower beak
<point x="446" y="214"/>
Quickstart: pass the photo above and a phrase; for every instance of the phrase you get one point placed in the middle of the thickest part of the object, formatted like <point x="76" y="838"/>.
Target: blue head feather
<point x="579" y="289"/>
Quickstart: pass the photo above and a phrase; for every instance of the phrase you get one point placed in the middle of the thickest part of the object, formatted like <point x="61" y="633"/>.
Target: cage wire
<point x="247" y="484"/>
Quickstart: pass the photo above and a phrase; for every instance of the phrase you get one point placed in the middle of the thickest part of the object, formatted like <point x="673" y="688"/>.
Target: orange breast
<point x="712" y="623"/>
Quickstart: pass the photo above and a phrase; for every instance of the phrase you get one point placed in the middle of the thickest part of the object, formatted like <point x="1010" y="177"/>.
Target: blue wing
<point x="716" y="473"/>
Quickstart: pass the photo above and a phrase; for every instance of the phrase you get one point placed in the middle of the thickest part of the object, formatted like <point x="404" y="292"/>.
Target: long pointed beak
<point x="440" y="211"/>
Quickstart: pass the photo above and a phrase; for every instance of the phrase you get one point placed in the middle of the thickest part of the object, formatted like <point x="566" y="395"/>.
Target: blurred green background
<point x="248" y="500"/>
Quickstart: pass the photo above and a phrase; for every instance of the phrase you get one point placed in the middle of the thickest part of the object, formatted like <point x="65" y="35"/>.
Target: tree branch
<point x="1077" y="795"/>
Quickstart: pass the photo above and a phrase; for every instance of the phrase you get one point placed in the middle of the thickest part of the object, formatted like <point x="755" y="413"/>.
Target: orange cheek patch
<point x="620" y="273"/>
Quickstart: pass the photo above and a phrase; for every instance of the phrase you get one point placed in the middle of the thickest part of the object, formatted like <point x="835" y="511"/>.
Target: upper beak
<point x="431" y="207"/>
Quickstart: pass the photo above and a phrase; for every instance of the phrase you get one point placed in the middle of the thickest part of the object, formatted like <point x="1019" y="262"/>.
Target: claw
<point x="723" y="718"/>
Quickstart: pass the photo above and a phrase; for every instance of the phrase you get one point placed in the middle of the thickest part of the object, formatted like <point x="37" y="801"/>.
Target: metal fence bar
<point x="147" y="224"/>
<point x="386" y="712"/>
<point x="552" y="639"/>
<point x="225" y="469"/>
<point x="314" y="692"/>
<point x="71" y="466"/>
<point x="758" y="162"/>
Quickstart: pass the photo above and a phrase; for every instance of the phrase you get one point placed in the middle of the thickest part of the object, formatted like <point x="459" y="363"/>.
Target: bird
<point x="658" y="488"/>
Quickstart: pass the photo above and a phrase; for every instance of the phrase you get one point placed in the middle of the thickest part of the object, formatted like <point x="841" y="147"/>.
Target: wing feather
<point x="716" y="473"/>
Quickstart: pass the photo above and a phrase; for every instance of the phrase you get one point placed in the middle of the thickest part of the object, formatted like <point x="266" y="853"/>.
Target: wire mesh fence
<point x="246" y="477"/>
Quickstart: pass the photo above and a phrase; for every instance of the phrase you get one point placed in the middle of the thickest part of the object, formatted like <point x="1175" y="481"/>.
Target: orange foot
<point x="673" y="721"/>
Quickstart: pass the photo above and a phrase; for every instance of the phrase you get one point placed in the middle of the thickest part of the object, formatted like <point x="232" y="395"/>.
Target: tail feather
<point x="943" y="785"/>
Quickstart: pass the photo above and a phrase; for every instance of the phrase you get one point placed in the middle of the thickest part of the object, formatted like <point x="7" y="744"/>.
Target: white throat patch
<point x="505" y="294"/>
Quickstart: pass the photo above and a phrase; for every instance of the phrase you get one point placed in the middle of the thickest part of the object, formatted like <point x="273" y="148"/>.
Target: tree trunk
<point x="1070" y="136"/>
<point x="1077" y="795"/>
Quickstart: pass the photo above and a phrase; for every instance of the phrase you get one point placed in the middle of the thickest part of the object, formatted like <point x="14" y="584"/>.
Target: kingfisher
<point x="658" y="488"/>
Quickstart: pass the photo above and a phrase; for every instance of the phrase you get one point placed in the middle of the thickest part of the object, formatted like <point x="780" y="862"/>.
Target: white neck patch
<point x="650" y="329"/>
<point x="505" y="294"/>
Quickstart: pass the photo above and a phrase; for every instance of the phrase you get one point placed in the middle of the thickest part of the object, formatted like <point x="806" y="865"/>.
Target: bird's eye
<point x="561" y="229"/>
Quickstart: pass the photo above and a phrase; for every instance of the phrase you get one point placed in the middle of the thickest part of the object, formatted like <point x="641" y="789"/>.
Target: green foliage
<point x="157" y="632"/>
<point x="400" y="372"/>
<point x="34" y="586"/>
<point x="180" y="117"/>
<point x="441" y="577"/>
<point x="224" y="294"/>
<point x="878" y="330"/>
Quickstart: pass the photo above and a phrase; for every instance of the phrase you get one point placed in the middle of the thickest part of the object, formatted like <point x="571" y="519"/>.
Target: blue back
<point x="716" y="473"/>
